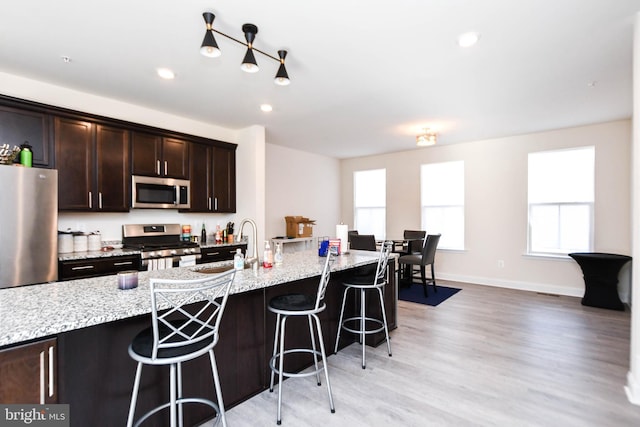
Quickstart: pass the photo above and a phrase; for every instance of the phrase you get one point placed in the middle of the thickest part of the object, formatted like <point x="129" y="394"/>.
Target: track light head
<point x="209" y="46"/>
<point x="282" y="77"/>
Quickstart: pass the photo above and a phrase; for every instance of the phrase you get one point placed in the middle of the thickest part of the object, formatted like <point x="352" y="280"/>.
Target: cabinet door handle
<point x="158" y="167"/>
<point x="42" y="376"/>
<point x="100" y="199"/>
<point x="123" y="263"/>
<point x="90" y="200"/>
<point x="215" y="204"/>
<point x="209" y="203"/>
<point x="52" y="377"/>
<point x="166" y="169"/>
<point x="212" y="253"/>
<point x="83" y="267"/>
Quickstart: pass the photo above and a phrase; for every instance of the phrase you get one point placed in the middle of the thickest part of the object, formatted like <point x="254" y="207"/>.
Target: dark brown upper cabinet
<point x="213" y="178"/>
<point x="20" y="126"/>
<point x="93" y="166"/>
<point x="154" y="155"/>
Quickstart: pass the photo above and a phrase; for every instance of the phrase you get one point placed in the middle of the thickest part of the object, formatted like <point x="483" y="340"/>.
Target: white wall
<point x="305" y="184"/>
<point x="250" y="158"/>
<point x="496" y="204"/>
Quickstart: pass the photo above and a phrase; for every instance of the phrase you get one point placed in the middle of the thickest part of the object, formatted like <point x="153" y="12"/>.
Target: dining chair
<point x="420" y="260"/>
<point x="364" y="242"/>
<point x="415" y="240"/>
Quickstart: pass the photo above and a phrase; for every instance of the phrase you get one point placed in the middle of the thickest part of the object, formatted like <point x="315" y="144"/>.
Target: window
<point x="442" y="200"/>
<point x="561" y="195"/>
<point x="370" y="201"/>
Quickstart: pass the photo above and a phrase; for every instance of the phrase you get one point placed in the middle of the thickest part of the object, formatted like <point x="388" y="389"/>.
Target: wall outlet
<point x="500" y="263"/>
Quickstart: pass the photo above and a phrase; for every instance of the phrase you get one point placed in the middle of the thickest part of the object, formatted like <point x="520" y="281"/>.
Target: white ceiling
<point x="366" y="76"/>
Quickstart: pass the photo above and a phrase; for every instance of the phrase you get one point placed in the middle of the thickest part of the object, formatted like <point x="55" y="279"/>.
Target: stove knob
<point x="173" y="252"/>
<point x="152" y="254"/>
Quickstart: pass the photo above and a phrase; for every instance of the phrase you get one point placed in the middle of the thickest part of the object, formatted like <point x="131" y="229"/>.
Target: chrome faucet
<point x="251" y="261"/>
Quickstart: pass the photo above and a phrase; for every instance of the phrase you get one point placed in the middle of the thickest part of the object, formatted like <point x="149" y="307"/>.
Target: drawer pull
<point x="83" y="267"/>
<point x="212" y="253"/>
<point x="123" y="263"/>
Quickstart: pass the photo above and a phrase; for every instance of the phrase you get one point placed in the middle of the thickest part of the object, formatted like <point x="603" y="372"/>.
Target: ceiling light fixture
<point x="166" y="73"/>
<point x="468" y="39"/>
<point x="266" y="108"/>
<point x="249" y="64"/>
<point x="426" y="138"/>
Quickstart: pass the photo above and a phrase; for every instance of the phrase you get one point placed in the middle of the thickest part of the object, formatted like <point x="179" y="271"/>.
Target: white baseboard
<point x="510" y="284"/>
<point x="632" y="389"/>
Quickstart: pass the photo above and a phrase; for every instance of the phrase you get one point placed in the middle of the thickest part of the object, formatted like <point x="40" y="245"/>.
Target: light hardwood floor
<point x="485" y="357"/>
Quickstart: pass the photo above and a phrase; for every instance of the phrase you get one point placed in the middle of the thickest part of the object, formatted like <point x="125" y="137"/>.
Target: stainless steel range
<point x="160" y="245"/>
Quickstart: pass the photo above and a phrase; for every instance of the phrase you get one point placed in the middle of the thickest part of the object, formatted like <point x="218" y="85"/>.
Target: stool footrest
<point x="179" y="401"/>
<point x="274" y="358"/>
<point x="366" y="331"/>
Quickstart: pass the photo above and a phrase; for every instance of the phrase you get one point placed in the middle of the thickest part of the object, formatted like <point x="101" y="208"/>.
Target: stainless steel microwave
<point x="159" y="193"/>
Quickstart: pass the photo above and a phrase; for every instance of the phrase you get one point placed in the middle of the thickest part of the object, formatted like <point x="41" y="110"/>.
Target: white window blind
<point x="561" y="196"/>
<point x="442" y="200"/>
<point x="370" y="198"/>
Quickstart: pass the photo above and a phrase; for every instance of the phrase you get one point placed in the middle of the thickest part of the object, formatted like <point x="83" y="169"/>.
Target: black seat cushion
<point x="360" y="280"/>
<point x="142" y="344"/>
<point x="410" y="259"/>
<point x="293" y="302"/>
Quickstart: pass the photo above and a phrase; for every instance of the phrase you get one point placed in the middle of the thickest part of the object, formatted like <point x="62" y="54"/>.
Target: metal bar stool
<point x="187" y="328"/>
<point x="285" y="306"/>
<point x="365" y="283"/>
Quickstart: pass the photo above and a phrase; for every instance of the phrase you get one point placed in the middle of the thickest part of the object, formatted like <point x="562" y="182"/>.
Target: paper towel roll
<point x="342" y="233"/>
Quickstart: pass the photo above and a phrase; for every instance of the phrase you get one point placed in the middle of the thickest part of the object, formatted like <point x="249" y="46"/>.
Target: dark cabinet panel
<point x="175" y="158"/>
<point x="113" y="176"/>
<point x="94" y="267"/>
<point x="201" y="178"/>
<point x="29" y="374"/>
<point x="20" y="126"/>
<point x="93" y="166"/>
<point x="154" y="155"/>
<point x="74" y="161"/>
<point x="213" y="178"/>
<point x="224" y="179"/>
<point x="146" y="152"/>
<point x="220" y="253"/>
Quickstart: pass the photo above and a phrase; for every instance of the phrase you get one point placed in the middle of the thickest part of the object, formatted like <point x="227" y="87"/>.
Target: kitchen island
<point x="94" y="322"/>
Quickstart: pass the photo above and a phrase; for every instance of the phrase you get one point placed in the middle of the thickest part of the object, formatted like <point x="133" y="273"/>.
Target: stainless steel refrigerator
<point x="28" y="225"/>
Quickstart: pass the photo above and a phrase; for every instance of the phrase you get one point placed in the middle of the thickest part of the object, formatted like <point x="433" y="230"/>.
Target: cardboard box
<point x="299" y="226"/>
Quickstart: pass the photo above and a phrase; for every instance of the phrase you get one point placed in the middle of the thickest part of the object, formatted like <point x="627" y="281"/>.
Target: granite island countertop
<point x="36" y="311"/>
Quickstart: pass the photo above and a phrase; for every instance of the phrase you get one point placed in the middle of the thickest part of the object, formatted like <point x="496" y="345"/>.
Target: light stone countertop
<point x="35" y="311"/>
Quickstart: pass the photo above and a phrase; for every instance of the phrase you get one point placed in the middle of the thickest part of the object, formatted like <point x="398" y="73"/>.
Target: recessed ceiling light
<point x="166" y="73"/>
<point x="66" y="59"/>
<point x="468" y="39"/>
<point x="266" y="108"/>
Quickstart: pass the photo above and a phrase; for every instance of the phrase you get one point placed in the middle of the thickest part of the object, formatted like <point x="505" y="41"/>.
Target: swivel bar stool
<point x="187" y="328"/>
<point x="289" y="305"/>
<point x="364" y="283"/>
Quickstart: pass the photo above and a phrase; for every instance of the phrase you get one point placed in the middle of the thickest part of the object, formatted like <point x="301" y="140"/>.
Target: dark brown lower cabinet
<point x="220" y="253"/>
<point x="28" y="373"/>
<point x="94" y="267"/>
<point x="96" y="373"/>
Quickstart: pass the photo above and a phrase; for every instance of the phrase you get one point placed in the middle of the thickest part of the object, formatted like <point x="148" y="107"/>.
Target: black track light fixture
<point x="249" y="64"/>
<point x="209" y="46"/>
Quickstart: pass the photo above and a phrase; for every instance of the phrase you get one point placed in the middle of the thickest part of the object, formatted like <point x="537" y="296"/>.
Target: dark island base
<point x="96" y="373"/>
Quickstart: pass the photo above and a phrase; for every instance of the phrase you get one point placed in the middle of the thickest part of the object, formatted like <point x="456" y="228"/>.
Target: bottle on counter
<point x="218" y="235"/>
<point x="26" y="155"/>
<point x="267" y="260"/>
<point x="238" y="260"/>
<point x="278" y="256"/>
<point x="203" y="234"/>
